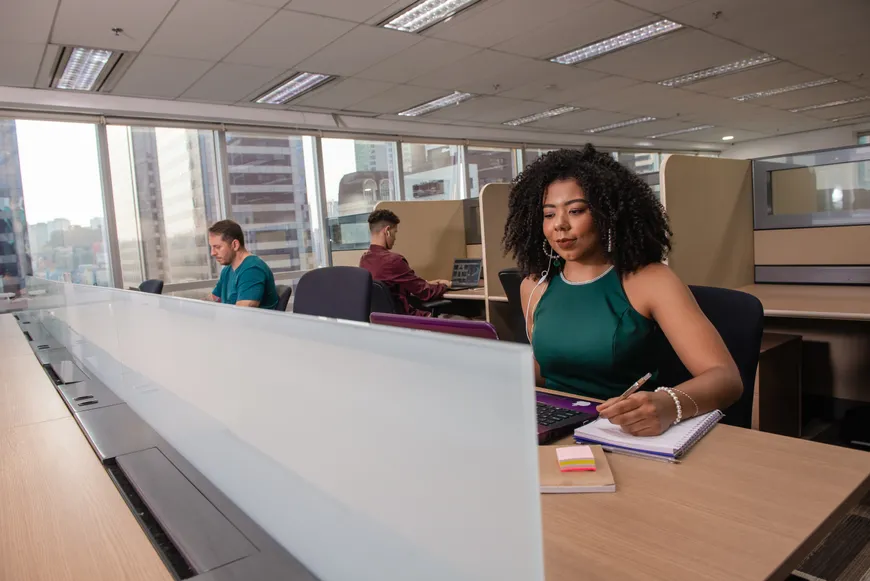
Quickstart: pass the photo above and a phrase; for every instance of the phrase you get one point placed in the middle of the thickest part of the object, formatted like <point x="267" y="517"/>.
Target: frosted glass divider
<point x="369" y="453"/>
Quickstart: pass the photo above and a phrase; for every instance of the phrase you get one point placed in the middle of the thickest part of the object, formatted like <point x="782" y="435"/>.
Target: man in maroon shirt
<point x="392" y="268"/>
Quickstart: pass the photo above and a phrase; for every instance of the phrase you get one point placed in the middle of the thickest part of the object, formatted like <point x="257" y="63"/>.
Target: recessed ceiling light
<point x="680" y="131"/>
<point x="602" y="47"/>
<point x="728" y="138"/>
<point x="454" y="98"/>
<point x="734" y="67"/>
<point x="83" y="68"/>
<point x="538" y="116"/>
<point x="830" y="104"/>
<point x="620" y="124"/>
<point x="425" y="13"/>
<point x="798" y="87"/>
<point x="292" y="88"/>
<point x="851" y="118"/>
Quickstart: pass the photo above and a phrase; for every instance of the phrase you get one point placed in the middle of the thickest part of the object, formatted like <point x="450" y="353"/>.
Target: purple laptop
<point x="558" y="415"/>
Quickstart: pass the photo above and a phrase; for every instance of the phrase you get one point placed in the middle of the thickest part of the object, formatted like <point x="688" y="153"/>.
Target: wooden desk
<point x="813" y="301"/>
<point x="471" y="294"/>
<point x="62" y="517"/>
<point x="744" y="505"/>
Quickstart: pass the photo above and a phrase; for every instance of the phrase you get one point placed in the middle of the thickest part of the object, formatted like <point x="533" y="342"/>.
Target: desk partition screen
<point x="369" y="453"/>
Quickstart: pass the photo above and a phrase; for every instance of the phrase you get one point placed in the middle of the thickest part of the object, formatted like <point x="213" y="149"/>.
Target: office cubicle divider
<point x="709" y="203"/>
<point x="368" y="453"/>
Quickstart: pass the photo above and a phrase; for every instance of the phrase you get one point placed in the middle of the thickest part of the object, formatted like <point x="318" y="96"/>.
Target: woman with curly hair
<point x="591" y="237"/>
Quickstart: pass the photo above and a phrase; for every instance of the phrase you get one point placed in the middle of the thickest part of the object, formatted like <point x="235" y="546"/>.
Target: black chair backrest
<point x="284" y="294"/>
<point x="739" y="318"/>
<point x="152" y="286"/>
<point x="382" y="298"/>
<point x="340" y="292"/>
<point x="511" y="279"/>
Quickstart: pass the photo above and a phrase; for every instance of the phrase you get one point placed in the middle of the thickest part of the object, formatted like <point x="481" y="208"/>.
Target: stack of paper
<point x="575" y="459"/>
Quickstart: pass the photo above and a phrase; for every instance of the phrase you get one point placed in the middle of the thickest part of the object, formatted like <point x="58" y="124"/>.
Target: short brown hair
<point x="228" y="231"/>
<point x="379" y="218"/>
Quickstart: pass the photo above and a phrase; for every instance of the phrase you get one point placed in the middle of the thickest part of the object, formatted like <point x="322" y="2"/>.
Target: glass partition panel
<point x="52" y="182"/>
<point x="274" y="198"/>
<point x="432" y="172"/>
<point x="370" y="453"/>
<point x="821" y="188"/>
<point x="165" y="188"/>
<point x="488" y="165"/>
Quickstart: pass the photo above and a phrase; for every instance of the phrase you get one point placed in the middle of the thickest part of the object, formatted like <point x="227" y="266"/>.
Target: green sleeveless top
<point x="589" y="340"/>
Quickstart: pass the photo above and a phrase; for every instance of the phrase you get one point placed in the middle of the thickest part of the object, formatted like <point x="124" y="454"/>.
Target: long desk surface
<point x="473" y="294"/>
<point x="62" y="517"/>
<point x="813" y="301"/>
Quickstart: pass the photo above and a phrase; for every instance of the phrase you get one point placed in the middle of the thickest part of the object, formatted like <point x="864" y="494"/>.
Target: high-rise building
<point x="269" y="199"/>
<point x="14" y="248"/>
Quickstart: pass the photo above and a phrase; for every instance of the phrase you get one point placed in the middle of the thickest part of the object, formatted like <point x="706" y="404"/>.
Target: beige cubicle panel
<point x="709" y="202"/>
<point x="494" y="200"/>
<point x="346" y="257"/>
<point x="431" y="235"/>
<point x="834" y="245"/>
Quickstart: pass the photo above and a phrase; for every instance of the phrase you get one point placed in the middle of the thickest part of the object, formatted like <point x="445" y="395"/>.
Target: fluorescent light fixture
<point x="538" y="116"/>
<point x="83" y="68"/>
<point x="426" y="13"/>
<point x="454" y="98"/>
<point x="734" y="67"/>
<point x="728" y="138"/>
<point x="602" y="47"/>
<point x="851" y="118"/>
<point x="681" y="131"/>
<point x="830" y="104"/>
<point x="620" y="124"/>
<point x="292" y="88"/>
<point x="798" y="87"/>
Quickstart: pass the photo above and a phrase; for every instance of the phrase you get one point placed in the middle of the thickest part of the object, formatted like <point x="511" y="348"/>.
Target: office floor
<point x="844" y="555"/>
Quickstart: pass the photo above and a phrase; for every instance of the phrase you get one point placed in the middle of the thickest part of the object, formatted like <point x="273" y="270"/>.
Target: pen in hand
<point x="636" y="386"/>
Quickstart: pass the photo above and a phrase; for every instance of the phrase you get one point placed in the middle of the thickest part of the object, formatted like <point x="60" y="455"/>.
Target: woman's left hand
<point x="643" y="413"/>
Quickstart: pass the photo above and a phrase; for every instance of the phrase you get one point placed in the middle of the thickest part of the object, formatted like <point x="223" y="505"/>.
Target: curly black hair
<point x="620" y="202"/>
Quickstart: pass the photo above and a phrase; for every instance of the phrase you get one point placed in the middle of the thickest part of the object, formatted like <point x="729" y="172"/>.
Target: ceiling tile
<point x="355" y="10"/>
<point x="90" y="22"/>
<point x="398" y="99"/>
<point x="651" y="128"/>
<point x="585" y="26"/>
<point x="513" y="110"/>
<point x="228" y="83"/>
<point x="287" y="39"/>
<point x="26" y="21"/>
<point x="472" y="108"/>
<point x="185" y="34"/>
<point x="471" y="70"/>
<point x="674" y="54"/>
<point x="501" y="21"/>
<point x="20" y="63"/>
<point x="816" y="95"/>
<point x="159" y="76"/>
<point x="840" y="111"/>
<point x="650" y="99"/>
<point x="358" y="50"/>
<point x="658" y="6"/>
<point x="344" y="94"/>
<point x="418" y="60"/>
<point x="266" y="3"/>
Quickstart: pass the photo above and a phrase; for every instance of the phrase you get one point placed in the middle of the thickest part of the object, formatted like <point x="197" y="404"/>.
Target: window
<point x="165" y="188"/>
<point x="51" y="203"/>
<point x="273" y="197"/>
<point x="640" y="163"/>
<point x="864" y="139"/>
<point x="487" y="165"/>
<point x="432" y="172"/>
<point x="531" y="154"/>
<point x="358" y="175"/>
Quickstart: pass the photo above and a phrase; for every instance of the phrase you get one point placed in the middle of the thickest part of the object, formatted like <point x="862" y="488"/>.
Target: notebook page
<point x="601" y="430"/>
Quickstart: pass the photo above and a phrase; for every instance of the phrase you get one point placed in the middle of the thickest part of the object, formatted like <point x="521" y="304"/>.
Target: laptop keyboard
<point x="550" y="414"/>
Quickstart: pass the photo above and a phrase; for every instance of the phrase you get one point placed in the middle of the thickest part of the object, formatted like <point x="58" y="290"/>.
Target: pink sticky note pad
<point x="575" y="459"/>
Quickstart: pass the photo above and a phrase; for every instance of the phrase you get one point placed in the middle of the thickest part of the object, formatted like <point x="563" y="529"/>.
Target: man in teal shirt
<point x="245" y="281"/>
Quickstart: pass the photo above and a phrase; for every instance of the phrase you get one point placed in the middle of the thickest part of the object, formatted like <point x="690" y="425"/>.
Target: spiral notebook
<point x="670" y="446"/>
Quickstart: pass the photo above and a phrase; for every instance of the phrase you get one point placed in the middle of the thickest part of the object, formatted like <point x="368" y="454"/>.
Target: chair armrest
<point x="437" y="303"/>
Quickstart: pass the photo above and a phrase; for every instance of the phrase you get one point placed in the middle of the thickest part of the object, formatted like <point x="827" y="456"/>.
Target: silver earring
<point x="548" y="250"/>
<point x="610" y="241"/>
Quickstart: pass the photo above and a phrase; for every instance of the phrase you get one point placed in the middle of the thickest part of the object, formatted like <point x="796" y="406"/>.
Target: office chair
<point x="739" y="318"/>
<point x="339" y="292"/>
<point x="511" y="279"/>
<point x="285" y="291"/>
<point x="153" y="286"/>
<point x="383" y="301"/>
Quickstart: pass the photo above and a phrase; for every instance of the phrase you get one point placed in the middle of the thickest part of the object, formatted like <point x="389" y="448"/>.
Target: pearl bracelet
<point x="671" y="393"/>
<point x="691" y="399"/>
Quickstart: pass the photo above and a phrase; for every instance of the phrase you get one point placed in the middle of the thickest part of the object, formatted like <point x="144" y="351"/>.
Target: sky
<point x="339" y="158"/>
<point x="60" y="171"/>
